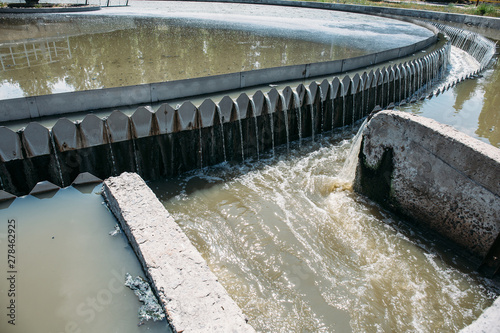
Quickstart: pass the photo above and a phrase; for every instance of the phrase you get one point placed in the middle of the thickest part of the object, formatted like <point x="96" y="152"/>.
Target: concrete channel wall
<point x="168" y="141"/>
<point x="434" y="175"/>
<point x="78" y="101"/>
<point x="190" y="293"/>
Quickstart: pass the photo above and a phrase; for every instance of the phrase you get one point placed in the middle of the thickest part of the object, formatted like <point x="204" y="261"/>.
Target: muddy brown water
<point x="299" y="251"/>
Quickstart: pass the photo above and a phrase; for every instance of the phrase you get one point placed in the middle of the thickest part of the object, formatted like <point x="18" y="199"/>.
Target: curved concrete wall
<point x="63" y="103"/>
<point x="169" y="141"/>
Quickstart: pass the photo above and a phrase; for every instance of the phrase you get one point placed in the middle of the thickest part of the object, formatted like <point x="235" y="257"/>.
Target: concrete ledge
<point x="435" y="175"/>
<point x="488" y="322"/>
<point x="193" y="298"/>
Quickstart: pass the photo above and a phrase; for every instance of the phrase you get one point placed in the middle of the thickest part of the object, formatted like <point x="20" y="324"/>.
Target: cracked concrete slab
<point x="190" y="293"/>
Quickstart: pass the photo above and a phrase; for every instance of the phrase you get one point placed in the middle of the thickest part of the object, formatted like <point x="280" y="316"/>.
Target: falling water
<point x="299" y="113"/>
<point x="322" y="110"/>
<point x="285" y="111"/>
<point x="406" y="82"/>
<point x="348" y="171"/>
<point x="309" y="97"/>
<point x="388" y="101"/>
<point x="256" y="128"/>
<point x="222" y="132"/>
<point x="200" y="151"/>
<point x="362" y="109"/>
<point x="113" y="162"/>
<point x="57" y="160"/>
<point x="419" y="78"/>
<point x="115" y="171"/>
<point x="136" y="159"/>
<point x="271" y="121"/>
<point x="285" y="114"/>
<point x="353" y="106"/>
<point x="394" y="88"/>
<point x="333" y="111"/>
<point x="237" y="107"/>
<point x="342" y="93"/>
<point x="401" y="78"/>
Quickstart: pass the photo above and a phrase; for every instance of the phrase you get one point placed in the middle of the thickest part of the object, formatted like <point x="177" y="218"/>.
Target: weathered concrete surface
<point x="433" y="174"/>
<point x="488" y="322"/>
<point x="193" y="298"/>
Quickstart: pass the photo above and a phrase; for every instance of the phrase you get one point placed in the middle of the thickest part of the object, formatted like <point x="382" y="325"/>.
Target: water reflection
<point x="489" y="118"/>
<point x="472" y="106"/>
<point x="150" y="51"/>
<point x="33" y="52"/>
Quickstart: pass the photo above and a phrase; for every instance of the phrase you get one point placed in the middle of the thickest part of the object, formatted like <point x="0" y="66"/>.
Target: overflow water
<point x="300" y="252"/>
<point x="472" y="105"/>
<point x="69" y="270"/>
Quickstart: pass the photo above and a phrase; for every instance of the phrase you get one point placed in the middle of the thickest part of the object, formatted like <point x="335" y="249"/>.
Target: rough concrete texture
<point x="190" y="293"/>
<point x="434" y="174"/>
<point x="488" y="322"/>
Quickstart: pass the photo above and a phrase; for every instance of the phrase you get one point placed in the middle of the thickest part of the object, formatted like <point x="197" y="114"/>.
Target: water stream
<point x="300" y="252"/>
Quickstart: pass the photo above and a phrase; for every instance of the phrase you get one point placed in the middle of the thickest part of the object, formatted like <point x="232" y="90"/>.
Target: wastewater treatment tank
<point x="294" y="248"/>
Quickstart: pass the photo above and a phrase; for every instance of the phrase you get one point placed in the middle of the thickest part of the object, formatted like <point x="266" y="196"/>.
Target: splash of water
<point x="298" y="257"/>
